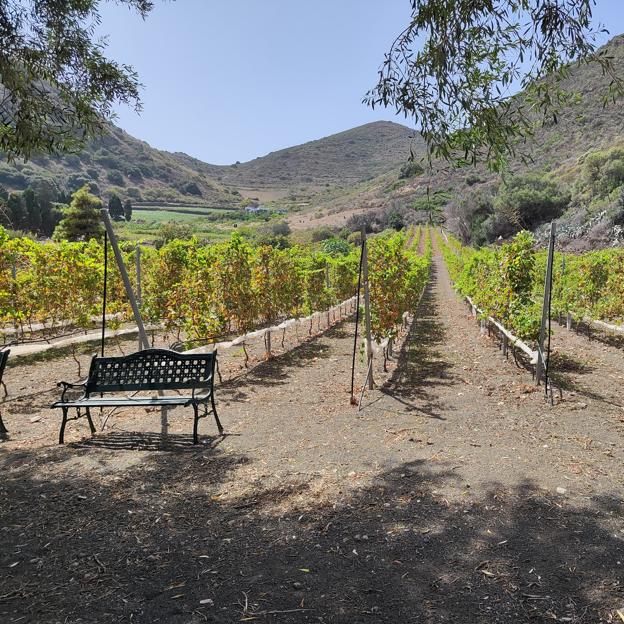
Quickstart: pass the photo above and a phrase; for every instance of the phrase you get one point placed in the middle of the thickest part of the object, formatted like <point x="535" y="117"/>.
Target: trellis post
<point x="112" y="237"/>
<point x="542" y="359"/>
<point x="137" y="258"/>
<point x="367" y="312"/>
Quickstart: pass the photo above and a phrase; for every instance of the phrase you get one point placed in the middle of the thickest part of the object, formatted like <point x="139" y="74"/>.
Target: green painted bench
<point x="150" y="370"/>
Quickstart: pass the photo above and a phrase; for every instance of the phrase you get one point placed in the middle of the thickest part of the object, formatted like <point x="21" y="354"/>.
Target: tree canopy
<point x="115" y="207"/>
<point x="82" y="220"/>
<point x="455" y="66"/>
<point x="56" y="85"/>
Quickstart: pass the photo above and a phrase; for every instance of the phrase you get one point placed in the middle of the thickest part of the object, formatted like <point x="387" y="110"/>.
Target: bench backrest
<point x="151" y="369"/>
<point x="4" y="356"/>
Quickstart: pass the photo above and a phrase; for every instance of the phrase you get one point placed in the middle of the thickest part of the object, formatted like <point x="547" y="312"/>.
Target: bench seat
<point x="130" y="401"/>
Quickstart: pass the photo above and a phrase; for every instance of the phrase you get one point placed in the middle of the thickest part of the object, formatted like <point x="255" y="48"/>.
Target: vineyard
<point x="204" y="291"/>
<point x="427" y="502"/>
<point x="507" y="282"/>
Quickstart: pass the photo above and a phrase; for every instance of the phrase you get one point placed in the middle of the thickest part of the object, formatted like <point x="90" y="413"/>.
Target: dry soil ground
<point x="458" y="494"/>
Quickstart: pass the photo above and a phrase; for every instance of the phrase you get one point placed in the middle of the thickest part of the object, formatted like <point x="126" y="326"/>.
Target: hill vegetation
<point x="361" y="176"/>
<point x="575" y="173"/>
<point x="342" y="159"/>
<point x="118" y="163"/>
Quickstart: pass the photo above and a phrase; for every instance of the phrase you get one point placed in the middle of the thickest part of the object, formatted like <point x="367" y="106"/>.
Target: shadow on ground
<point x="90" y="535"/>
<point x="421" y="367"/>
<point x="278" y="370"/>
<point x="565" y="374"/>
<point x="142" y="441"/>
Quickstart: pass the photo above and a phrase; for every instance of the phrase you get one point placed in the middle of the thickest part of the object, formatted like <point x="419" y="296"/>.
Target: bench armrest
<point x="203" y="392"/>
<point x="66" y="385"/>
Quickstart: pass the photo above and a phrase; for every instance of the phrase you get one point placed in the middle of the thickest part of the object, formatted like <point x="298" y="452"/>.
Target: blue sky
<point x="231" y="80"/>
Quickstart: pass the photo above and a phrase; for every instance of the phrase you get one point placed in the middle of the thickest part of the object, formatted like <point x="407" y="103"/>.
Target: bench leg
<point x="214" y="411"/>
<point x="3" y="429"/>
<point x="195" y="422"/>
<point x="91" y="425"/>
<point x="62" y="431"/>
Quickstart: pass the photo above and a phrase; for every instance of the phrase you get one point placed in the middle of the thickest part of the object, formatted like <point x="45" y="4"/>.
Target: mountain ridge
<point x="120" y="163"/>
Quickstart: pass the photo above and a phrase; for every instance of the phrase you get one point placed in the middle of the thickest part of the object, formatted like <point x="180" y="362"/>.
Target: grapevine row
<point x="397" y="275"/>
<point x="507" y="282"/>
<point x="203" y="291"/>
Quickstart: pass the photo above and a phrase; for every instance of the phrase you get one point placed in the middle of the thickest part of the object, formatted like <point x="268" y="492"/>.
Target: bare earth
<point x="458" y="494"/>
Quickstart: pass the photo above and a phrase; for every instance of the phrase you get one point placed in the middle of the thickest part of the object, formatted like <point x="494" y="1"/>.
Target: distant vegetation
<point x="37" y="210"/>
<point x="410" y="169"/>
<point x="81" y="219"/>
<point x="529" y="200"/>
<point x="118" y="163"/>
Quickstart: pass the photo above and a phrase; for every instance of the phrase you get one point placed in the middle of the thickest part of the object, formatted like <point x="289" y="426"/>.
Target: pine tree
<point x="128" y="210"/>
<point x="115" y="207"/>
<point x="15" y="212"/>
<point x="82" y="220"/>
<point x="33" y="220"/>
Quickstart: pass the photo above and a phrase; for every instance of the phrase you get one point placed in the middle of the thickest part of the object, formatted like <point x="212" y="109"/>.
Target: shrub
<point x="134" y="173"/>
<point x="601" y="174"/>
<point x="76" y="181"/>
<point x="172" y="231"/>
<point x="410" y="169"/>
<point x="12" y="179"/>
<point x="396" y="221"/>
<point x="320" y="234"/>
<point x="473" y="179"/>
<point x="191" y="188"/>
<point x="335" y="246"/>
<point x="529" y="200"/>
<point x="133" y="192"/>
<point x="115" y="177"/>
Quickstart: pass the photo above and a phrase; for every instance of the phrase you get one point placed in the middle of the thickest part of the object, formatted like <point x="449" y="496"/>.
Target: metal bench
<point x="144" y="371"/>
<point x="4" y="356"/>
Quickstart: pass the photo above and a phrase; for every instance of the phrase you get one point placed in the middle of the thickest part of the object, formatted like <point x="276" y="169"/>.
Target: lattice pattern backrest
<point x="4" y="356"/>
<point x="152" y="369"/>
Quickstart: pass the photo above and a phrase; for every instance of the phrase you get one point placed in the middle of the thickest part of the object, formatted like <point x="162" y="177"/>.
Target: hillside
<point x="132" y="168"/>
<point x="119" y="162"/>
<point x="341" y="159"/>
<point x="581" y="156"/>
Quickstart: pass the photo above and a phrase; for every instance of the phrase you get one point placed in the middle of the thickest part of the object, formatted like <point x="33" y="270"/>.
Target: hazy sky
<point x="228" y="80"/>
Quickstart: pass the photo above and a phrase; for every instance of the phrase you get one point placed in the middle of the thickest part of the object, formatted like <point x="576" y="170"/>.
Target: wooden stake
<point x="137" y="258"/>
<point x="138" y="273"/>
<point x="367" y="313"/>
<point x="542" y="359"/>
<point x="112" y="237"/>
<point x="143" y="340"/>
<point x="267" y="343"/>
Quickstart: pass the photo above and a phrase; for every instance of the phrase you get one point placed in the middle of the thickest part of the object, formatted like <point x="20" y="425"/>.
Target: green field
<point x="183" y="209"/>
<point x="146" y="224"/>
<point x="165" y="216"/>
<point x="211" y="224"/>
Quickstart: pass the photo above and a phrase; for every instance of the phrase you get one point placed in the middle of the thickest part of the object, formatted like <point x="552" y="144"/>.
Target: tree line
<point x="45" y="211"/>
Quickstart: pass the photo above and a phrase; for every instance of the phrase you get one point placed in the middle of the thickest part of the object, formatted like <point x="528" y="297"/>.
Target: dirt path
<point x="590" y="368"/>
<point x="438" y="502"/>
<point x="489" y="416"/>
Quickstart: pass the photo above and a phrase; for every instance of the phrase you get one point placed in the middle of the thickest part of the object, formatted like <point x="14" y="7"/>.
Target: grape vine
<point x="507" y="282"/>
<point x="204" y="291"/>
